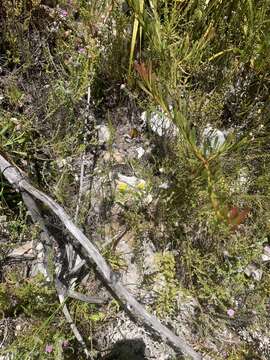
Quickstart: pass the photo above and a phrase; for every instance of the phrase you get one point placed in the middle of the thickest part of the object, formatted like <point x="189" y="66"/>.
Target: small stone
<point x="164" y="186"/>
<point x="252" y="270"/>
<point x="226" y="254"/>
<point x="38" y="268"/>
<point x="103" y="134"/>
<point x="140" y="151"/>
<point x="26" y="250"/>
<point x="39" y="247"/>
<point x="18" y="327"/>
<point x="213" y="136"/>
<point x="148" y="199"/>
<point x="131" y="180"/>
<point x="266" y="253"/>
<point x="159" y="123"/>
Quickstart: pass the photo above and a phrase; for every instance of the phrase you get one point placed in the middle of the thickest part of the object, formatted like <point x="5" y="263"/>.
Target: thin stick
<point x="61" y="296"/>
<point x="83" y="156"/>
<point x="85" y="298"/>
<point x="69" y="247"/>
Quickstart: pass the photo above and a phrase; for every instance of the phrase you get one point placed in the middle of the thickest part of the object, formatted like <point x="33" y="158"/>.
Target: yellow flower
<point x="141" y="185"/>
<point x="122" y="187"/>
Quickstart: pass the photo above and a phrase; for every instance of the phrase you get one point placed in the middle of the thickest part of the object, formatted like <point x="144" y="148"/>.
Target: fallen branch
<point x="112" y="281"/>
<point x="85" y="298"/>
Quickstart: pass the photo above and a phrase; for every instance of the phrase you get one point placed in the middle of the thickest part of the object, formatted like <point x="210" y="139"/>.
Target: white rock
<point x="130" y="180"/>
<point x="39" y="247"/>
<point x="103" y="134"/>
<point x="164" y="186"/>
<point x="39" y="268"/>
<point x="214" y="137"/>
<point x="25" y="250"/>
<point x="18" y="327"/>
<point x="148" y="199"/>
<point x="159" y="123"/>
<point x="266" y="253"/>
<point x="140" y="151"/>
<point x="252" y="270"/>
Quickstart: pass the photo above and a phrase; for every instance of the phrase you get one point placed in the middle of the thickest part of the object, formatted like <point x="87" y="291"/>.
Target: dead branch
<point x="113" y="282"/>
<point x="85" y="298"/>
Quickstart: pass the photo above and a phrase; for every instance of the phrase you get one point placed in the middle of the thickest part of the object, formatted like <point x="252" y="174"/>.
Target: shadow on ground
<point x="127" y="349"/>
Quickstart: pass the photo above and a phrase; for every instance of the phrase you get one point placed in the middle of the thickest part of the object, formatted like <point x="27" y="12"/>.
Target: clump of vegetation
<point x="168" y="292"/>
<point x="213" y="214"/>
<point x="205" y="66"/>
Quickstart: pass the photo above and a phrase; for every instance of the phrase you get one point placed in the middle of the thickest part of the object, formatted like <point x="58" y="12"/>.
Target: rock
<point x="39" y="268"/>
<point x="266" y="253"/>
<point x="18" y="327"/>
<point x="254" y="271"/>
<point x="124" y="330"/>
<point x="140" y="151"/>
<point x="149" y="264"/>
<point x="40" y="255"/>
<point x="103" y="134"/>
<point x="131" y="277"/>
<point x="132" y="181"/>
<point x="148" y="200"/>
<point x="25" y="251"/>
<point x="159" y="123"/>
<point x="39" y="247"/>
<point x="164" y="186"/>
<point x="213" y="137"/>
